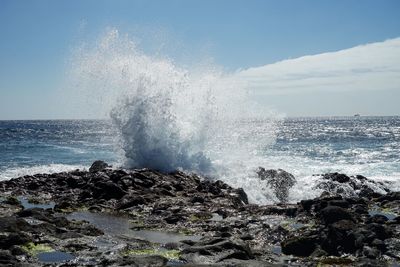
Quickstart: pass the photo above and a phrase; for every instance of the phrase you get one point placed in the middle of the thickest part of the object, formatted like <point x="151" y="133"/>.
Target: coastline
<point x="143" y="217"/>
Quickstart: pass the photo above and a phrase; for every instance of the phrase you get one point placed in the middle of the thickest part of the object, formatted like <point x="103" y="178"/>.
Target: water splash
<point x="169" y="117"/>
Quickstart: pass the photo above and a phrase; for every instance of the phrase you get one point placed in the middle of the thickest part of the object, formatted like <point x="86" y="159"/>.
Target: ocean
<point x="369" y="146"/>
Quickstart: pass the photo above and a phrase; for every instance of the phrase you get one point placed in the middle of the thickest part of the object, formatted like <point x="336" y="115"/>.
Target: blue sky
<point x="37" y="38"/>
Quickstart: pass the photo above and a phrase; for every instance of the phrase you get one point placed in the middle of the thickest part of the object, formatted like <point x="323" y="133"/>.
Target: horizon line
<point x="283" y="117"/>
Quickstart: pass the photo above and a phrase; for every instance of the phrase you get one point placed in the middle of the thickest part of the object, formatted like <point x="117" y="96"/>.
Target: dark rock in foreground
<point x="198" y="221"/>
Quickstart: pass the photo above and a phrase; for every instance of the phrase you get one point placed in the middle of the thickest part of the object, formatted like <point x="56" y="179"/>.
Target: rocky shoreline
<point x="141" y="217"/>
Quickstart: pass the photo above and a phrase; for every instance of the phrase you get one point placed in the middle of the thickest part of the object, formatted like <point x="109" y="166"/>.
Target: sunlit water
<point x="304" y="146"/>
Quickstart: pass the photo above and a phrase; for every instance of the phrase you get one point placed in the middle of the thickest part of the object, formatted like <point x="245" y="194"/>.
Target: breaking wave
<point x="170" y="117"/>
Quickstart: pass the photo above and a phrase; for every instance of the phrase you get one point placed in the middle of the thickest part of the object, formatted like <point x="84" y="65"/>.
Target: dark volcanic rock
<point x="306" y="205"/>
<point x="7" y="259"/>
<point x="12" y="201"/>
<point x="279" y="180"/>
<point x="212" y="250"/>
<point x="234" y="232"/>
<point x="337" y="177"/>
<point x="300" y="246"/>
<point x="381" y="231"/>
<point x="74" y="181"/>
<point x="340" y="238"/>
<point x="242" y="195"/>
<point x="14" y="224"/>
<point x="98" y="165"/>
<point x="108" y="190"/>
<point x="138" y="261"/>
<point x="7" y="241"/>
<point x="378" y="218"/>
<point x="130" y="201"/>
<point x="333" y="214"/>
<point x="391" y="196"/>
<point x="351" y="186"/>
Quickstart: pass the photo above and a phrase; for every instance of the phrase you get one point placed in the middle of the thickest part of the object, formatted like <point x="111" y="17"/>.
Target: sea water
<point x="369" y="146"/>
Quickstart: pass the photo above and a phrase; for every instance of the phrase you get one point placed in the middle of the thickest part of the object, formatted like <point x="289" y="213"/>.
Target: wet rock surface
<point x="352" y="186"/>
<point x="279" y="180"/>
<point x="141" y="217"/>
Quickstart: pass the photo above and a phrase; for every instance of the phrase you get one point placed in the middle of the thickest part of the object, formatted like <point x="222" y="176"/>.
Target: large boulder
<point x="108" y="190"/>
<point x="98" y="165"/>
<point x="279" y="181"/>
<point x="333" y="214"/>
<point x="351" y="186"/>
<point x="300" y="245"/>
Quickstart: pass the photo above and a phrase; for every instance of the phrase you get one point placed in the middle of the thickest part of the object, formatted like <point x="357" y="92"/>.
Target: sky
<point x="301" y="58"/>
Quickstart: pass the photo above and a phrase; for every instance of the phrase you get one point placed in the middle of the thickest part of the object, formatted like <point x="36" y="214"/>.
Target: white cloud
<point x="374" y="66"/>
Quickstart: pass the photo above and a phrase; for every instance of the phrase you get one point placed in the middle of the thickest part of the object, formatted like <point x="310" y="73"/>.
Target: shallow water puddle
<point x="120" y="226"/>
<point x="276" y="250"/>
<point x="54" y="256"/>
<point x="297" y="225"/>
<point x="27" y="205"/>
<point x="378" y="211"/>
<point x="163" y="237"/>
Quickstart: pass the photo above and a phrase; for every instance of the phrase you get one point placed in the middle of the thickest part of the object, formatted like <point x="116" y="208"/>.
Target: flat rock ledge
<point x="195" y="222"/>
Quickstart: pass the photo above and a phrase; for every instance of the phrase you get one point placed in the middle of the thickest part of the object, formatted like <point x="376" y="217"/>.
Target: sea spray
<point x="168" y="117"/>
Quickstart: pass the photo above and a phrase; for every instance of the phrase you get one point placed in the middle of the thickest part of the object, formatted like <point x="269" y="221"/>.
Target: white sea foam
<point x="306" y="171"/>
<point x="14" y="172"/>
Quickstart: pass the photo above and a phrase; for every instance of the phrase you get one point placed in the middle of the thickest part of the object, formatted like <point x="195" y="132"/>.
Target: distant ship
<point x="357" y="115"/>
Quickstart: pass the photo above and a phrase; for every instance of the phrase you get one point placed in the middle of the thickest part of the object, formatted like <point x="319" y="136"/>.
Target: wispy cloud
<point x="374" y="66"/>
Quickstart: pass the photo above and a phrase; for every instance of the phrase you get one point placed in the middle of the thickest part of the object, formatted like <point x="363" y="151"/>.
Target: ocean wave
<point x="170" y="117"/>
<point x="15" y="172"/>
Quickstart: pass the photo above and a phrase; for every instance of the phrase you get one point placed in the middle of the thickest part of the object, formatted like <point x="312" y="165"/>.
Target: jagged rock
<point x="13" y="224"/>
<point x="279" y="180"/>
<point x="130" y="201"/>
<point x="7" y="241"/>
<point x="340" y="238"/>
<point x="371" y="253"/>
<point x="174" y="219"/>
<point x="351" y="186"/>
<point x="307" y="204"/>
<point x="378" y="218"/>
<point x="329" y="225"/>
<point x="300" y="245"/>
<point x="64" y="205"/>
<point x="242" y="195"/>
<point x="6" y="259"/>
<point x="98" y="166"/>
<point x="108" y="190"/>
<point x="381" y="231"/>
<point x="212" y="250"/>
<point x="391" y="196"/>
<point x="12" y="201"/>
<point x="74" y="181"/>
<point x="337" y="177"/>
<point x="379" y="244"/>
<point x="197" y="199"/>
<point x="145" y="261"/>
<point x="333" y="214"/>
<point x="339" y="203"/>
